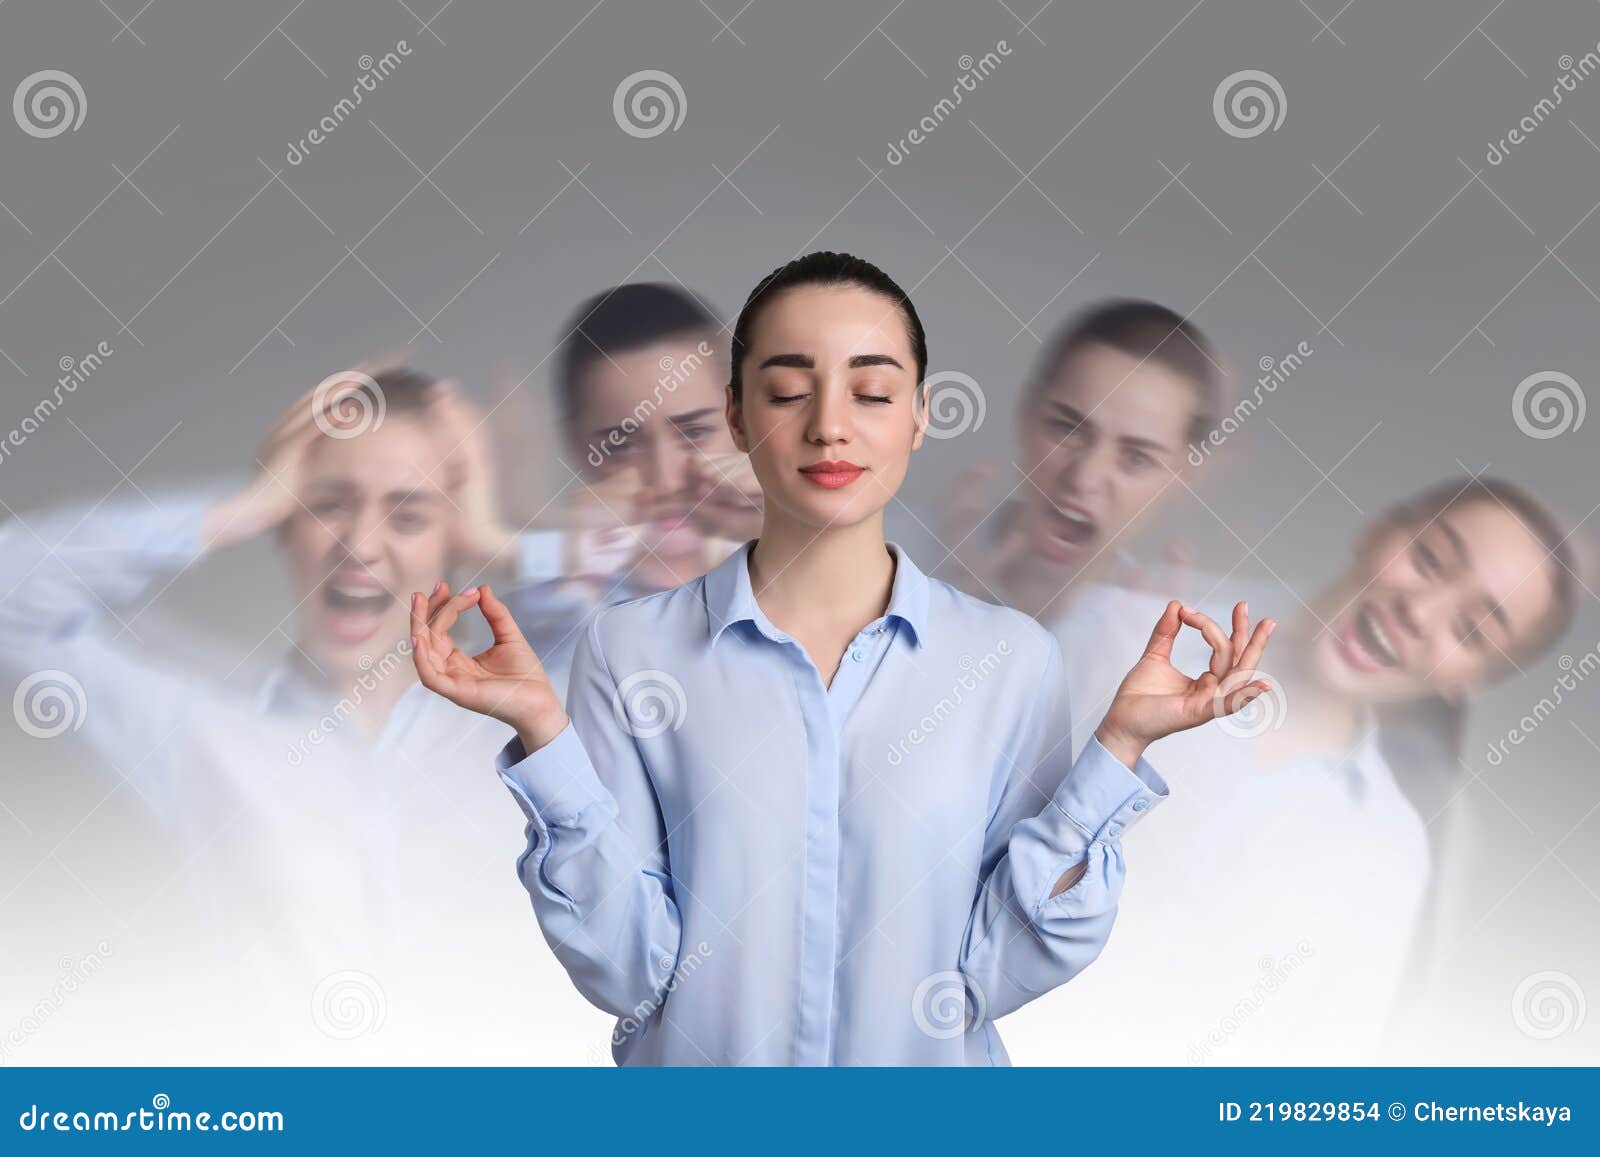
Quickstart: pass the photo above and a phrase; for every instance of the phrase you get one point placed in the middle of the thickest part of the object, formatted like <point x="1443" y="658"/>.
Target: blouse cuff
<point x="1104" y="798"/>
<point x="555" y="784"/>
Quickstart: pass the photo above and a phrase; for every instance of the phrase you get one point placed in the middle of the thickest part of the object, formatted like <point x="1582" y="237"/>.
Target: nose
<point x="1418" y="612"/>
<point x="1084" y="471"/>
<point x="829" y="421"/>
<point x="361" y="536"/>
<point x="665" y="469"/>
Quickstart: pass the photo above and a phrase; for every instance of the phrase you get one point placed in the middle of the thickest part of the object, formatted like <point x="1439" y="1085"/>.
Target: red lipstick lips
<point x="832" y="475"/>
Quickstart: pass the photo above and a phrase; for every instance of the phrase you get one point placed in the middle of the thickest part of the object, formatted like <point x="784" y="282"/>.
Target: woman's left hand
<point x="1156" y="699"/>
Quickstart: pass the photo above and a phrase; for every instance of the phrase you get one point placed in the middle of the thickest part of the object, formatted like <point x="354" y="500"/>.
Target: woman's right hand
<point x="506" y="682"/>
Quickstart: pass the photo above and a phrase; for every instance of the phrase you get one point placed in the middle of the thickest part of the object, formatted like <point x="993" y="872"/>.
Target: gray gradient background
<point x="221" y="277"/>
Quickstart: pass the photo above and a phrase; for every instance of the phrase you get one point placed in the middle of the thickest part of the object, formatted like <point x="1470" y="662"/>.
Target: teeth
<point x="1376" y="632"/>
<point x="1076" y="517"/>
<point x="356" y="592"/>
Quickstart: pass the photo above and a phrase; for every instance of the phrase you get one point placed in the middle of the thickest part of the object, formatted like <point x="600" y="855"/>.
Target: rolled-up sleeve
<point x="1021" y="941"/>
<point x="595" y="864"/>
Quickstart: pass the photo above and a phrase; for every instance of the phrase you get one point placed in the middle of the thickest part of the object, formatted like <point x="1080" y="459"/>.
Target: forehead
<point x="832" y="323"/>
<point x="1508" y="561"/>
<point x="672" y="373"/>
<point x="1125" y="394"/>
<point x="400" y="454"/>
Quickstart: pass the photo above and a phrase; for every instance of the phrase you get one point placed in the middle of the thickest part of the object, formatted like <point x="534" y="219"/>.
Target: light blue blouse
<point x="748" y="866"/>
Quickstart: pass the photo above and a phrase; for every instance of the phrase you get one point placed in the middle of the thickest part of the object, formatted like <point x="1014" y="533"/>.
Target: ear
<point x="733" y="411"/>
<point x="920" y="414"/>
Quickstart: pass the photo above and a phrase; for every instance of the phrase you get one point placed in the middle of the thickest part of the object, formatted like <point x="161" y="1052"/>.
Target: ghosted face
<point x="1100" y="443"/>
<point x="828" y="409"/>
<point x="373" y="527"/>
<point x="656" y="413"/>
<point x="1434" y="609"/>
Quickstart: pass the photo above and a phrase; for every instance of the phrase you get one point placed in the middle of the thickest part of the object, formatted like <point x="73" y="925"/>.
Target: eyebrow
<point x="807" y="362"/>
<point x="1457" y="543"/>
<point x="1126" y="439"/>
<point x="693" y="416"/>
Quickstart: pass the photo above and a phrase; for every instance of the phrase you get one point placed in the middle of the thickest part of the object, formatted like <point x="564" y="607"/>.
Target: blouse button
<point x="856" y="655"/>
<point x="1140" y="804"/>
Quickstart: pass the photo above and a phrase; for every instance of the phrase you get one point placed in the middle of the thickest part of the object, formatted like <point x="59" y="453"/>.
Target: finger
<point x="1221" y="652"/>
<point x="430" y="669"/>
<point x="1244" y="696"/>
<point x="445" y="617"/>
<point x="439" y="596"/>
<point x="1250" y="657"/>
<point x="419" y="613"/>
<point x="499" y="618"/>
<point x="1166" y="631"/>
<point x="1241" y="627"/>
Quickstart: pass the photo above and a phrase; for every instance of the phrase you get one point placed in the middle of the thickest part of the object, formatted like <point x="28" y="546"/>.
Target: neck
<point x="1320" y="720"/>
<point x="371" y="694"/>
<point x="840" y="575"/>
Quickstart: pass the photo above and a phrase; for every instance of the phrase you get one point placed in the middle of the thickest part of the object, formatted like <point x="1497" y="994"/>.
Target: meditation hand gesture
<point x="506" y="682"/>
<point x="1156" y="699"/>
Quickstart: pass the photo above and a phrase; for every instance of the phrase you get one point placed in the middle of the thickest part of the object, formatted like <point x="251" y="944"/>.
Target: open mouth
<point x="1069" y="530"/>
<point x="1368" y="642"/>
<point x="354" y="608"/>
